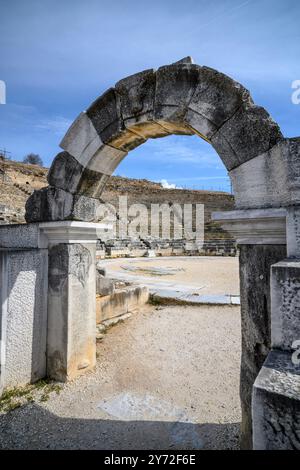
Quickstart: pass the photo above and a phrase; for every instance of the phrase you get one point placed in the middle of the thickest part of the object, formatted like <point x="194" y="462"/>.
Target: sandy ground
<point x="213" y="275"/>
<point x="166" y="378"/>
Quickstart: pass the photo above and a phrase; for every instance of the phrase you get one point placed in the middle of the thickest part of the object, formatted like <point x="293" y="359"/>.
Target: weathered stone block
<point x="105" y="114"/>
<point x="255" y="272"/>
<point x="216" y="98"/>
<point x="175" y="85"/>
<point x="85" y="208"/>
<point x="285" y="290"/>
<point x="293" y="231"/>
<point x="136" y="94"/>
<point x="276" y="404"/>
<point x="92" y="183"/>
<point x="104" y="285"/>
<point x="269" y="180"/>
<point x="71" y="339"/>
<point x="23" y="316"/>
<point x="51" y="204"/>
<point x="248" y="133"/>
<point x="105" y="160"/>
<point x="48" y="204"/>
<point x="121" y="302"/>
<point x="81" y="140"/>
<point x="68" y="174"/>
<point x="20" y="236"/>
<point x="65" y="172"/>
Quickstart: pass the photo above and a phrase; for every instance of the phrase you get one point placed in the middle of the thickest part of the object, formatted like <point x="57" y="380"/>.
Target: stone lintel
<point x="72" y="231"/>
<point x="254" y="226"/>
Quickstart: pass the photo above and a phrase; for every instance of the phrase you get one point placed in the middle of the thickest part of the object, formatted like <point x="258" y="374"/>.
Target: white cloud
<point x="167" y="185"/>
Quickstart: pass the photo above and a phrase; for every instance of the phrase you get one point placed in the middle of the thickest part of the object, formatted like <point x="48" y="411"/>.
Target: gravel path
<point x="166" y="378"/>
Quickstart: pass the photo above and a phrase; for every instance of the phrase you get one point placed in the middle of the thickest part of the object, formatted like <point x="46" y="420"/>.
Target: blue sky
<point x="58" y="55"/>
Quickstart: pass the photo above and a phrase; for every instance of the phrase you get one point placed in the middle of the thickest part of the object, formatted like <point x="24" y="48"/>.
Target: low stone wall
<point x="115" y="248"/>
<point x="120" y="302"/>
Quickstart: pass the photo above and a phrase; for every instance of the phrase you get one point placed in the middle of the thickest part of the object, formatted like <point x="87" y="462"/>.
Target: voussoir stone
<point x="137" y="93"/>
<point x="82" y="140"/>
<point x="106" y="159"/>
<point x="92" y="183"/>
<point x="175" y="85"/>
<point x="248" y="133"/>
<point x="65" y="172"/>
<point x="216" y="98"/>
<point x="105" y="114"/>
<point x="186" y="60"/>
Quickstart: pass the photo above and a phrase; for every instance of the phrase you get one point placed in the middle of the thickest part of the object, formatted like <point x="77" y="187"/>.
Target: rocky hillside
<point x="19" y="180"/>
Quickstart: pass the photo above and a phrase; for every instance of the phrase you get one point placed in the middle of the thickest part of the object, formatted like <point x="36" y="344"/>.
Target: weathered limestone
<point x="247" y="134"/>
<point x="216" y="98"/>
<point x="293" y="231"/>
<point x="137" y="94"/>
<point x="276" y="404"/>
<point x="104" y="285"/>
<point x="50" y="204"/>
<point x="255" y="226"/>
<point x="23" y="305"/>
<point x="255" y="265"/>
<point x="82" y="140"/>
<point x="120" y="302"/>
<point x="21" y="237"/>
<point x="261" y="237"/>
<point x="175" y="85"/>
<point x="105" y="115"/>
<point x="285" y="288"/>
<point x="71" y="339"/>
<point x="271" y="179"/>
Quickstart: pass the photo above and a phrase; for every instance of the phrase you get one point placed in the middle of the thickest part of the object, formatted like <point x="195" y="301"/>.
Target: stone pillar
<point x="71" y="339"/>
<point x="276" y="391"/>
<point x="261" y="236"/>
<point x="255" y="270"/>
<point x="23" y="305"/>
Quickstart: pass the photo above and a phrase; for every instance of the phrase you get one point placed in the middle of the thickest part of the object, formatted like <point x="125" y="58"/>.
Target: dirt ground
<point x="166" y="378"/>
<point x="210" y="274"/>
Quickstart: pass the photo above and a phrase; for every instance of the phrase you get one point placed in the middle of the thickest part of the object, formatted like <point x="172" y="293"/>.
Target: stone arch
<point x="181" y="98"/>
<point x="185" y="98"/>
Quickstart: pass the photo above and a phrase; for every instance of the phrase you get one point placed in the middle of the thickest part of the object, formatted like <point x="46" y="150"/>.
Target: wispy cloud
<point x="57" y="125"/>
<point x="179" y="150"/>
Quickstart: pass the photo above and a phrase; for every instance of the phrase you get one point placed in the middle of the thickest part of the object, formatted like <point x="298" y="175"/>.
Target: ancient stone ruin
<point x="48" y="265"/>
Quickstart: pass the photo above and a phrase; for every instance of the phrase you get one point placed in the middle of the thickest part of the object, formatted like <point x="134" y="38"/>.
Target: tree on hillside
<point x="33" y="159"/>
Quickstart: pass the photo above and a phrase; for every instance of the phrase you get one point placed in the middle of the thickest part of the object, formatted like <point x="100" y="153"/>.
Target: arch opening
<point x="181" y="99"/>
<point x="185" y="98"/>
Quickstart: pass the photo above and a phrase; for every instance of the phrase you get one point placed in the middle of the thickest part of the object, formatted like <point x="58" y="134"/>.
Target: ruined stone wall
<point x="19" y="180"/>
